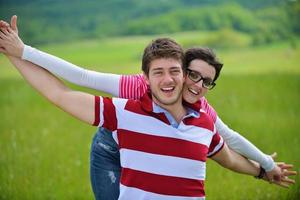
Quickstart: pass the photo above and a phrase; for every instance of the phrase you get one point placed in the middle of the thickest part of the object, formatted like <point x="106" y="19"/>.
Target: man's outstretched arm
<point x="79" y="104"/>
<point x="237" y="163"/>
<point x="104" y="82"/>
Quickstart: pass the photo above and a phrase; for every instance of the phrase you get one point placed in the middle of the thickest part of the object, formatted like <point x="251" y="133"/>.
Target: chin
<point x="191" y="100"/>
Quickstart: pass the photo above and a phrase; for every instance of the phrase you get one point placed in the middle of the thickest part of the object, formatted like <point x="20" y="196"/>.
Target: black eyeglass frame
<point x="204" y="84"/>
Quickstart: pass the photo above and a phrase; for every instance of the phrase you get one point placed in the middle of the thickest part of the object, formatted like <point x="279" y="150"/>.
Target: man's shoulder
<point x="202" y="121"/>
<point x="121" y="102"/>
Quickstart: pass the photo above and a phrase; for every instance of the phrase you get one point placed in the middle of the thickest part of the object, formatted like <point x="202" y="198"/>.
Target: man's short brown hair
<point x="161" y="48"/>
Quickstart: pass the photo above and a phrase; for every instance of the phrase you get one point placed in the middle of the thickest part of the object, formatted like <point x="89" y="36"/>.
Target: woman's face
<point x="192" y="91"/>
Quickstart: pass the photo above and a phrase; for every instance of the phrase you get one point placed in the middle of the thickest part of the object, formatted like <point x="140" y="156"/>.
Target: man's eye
<point x="157" y="73"/>
<point x="175" y="71"/>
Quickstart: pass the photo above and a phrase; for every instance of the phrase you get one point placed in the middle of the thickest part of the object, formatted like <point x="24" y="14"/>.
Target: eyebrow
<point x="175" y="67"/>
<point x="161" y="68"/>
<point x="157" y="69"/>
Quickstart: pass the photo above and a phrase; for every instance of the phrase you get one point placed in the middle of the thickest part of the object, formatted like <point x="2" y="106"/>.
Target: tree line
<point x="43" y="21"/>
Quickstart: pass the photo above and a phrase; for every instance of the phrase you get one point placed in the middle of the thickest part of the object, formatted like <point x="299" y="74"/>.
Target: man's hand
<point x="10" y="42"/>
<point x="275" y="173"/>
<point x="13" y="24"/>
<point x="286" y="172"/>
<point x="3" y="25"/>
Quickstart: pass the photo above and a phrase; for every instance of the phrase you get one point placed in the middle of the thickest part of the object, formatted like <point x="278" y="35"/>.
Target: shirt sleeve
<point x="208" y="109"/>
<point x="242" y="146"/>
<point x="104" y="82"/>
<point x="132" y="86"/>
<point x="105" y="113"/>
<point x="216" y="145"/>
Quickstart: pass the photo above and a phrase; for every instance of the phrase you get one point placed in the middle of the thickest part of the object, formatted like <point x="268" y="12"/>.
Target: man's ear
<point x="146" y="78"/>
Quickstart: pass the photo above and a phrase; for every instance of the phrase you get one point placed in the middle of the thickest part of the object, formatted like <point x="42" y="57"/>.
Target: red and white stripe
<point x="132" y="86"/>
<point x="159" y="161"/>
<point x="132" y="192"/>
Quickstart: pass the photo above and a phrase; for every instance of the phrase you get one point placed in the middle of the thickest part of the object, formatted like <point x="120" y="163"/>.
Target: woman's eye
<point x="207" y="81"/>
<point x="194" y="75"/>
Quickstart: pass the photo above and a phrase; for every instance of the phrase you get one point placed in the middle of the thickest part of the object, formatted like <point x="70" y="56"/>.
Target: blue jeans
<point x="105" y="168"/>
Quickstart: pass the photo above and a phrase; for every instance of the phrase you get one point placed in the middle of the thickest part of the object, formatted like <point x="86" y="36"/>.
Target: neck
<point x="177" y="110"/>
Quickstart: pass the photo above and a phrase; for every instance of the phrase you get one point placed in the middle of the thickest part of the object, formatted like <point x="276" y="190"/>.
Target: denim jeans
<point x="105" y="168"/>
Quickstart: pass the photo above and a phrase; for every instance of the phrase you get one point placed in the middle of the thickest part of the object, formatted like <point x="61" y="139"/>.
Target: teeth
<point x="168" y="88"/>
<point x="193" y="91"/>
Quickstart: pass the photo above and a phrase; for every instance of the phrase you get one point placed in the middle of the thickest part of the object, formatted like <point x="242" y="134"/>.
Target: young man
<point x="163" y="73"/>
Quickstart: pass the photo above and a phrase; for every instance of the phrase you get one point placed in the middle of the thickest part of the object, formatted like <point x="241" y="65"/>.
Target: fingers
<point x="280" y="183"/>
<point x="285" y="166"/>
<point x="283" y="179"/>
<point x="5" y="39"/>
<point x="288" y="180"/>
<point x="285" y="182"/>
<point x="274" y="155"/>
<point x="13" y="23"/>
<point x="3" y="36"/>
<point x="12" y="32"/>
<point x="6" y="33"/>
<point x="289" y="173"/>
<point x="3" y="24"/>
<point x="13" y="20"/>
<point x="285" y="185"/>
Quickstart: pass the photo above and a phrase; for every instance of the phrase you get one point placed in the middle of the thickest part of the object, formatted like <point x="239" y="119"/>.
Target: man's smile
<point x="168" y="89"/>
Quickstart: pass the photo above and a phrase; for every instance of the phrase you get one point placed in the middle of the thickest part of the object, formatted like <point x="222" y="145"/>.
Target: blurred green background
<point x="44" y="153"/>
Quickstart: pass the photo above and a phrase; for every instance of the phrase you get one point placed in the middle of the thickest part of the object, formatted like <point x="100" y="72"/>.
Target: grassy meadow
<point x="44" y="153"/>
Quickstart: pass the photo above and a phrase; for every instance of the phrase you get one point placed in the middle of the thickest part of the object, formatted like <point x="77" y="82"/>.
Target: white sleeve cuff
<point x="27" y="51"/>
<point x="269" y="164"/>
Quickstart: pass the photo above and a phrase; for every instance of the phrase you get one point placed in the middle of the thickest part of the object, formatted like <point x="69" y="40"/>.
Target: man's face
<point x="165" y="79"/>
<point x="192" y="91"/>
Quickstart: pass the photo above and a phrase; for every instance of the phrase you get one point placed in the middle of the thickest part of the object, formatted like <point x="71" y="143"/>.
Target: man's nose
<point x="168" y="77"/>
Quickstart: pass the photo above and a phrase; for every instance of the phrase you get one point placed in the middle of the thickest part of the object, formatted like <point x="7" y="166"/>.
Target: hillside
<point x="43" y="21"/>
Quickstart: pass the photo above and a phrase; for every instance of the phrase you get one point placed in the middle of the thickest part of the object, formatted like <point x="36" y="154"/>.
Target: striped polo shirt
<point x="158" y="161"/>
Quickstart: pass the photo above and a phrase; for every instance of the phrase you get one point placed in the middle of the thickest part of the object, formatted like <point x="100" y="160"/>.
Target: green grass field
<point x="44" y="153"/>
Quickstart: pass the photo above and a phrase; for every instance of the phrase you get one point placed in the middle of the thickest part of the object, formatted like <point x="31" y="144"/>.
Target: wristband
<point x="261" y="174"/>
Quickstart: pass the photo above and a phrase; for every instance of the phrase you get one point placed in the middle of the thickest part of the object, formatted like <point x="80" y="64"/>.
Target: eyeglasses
<point x="196" y="77"/>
